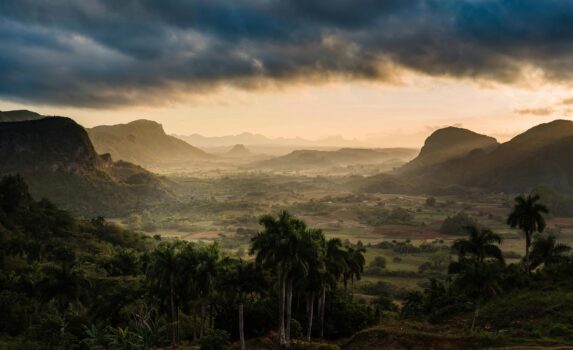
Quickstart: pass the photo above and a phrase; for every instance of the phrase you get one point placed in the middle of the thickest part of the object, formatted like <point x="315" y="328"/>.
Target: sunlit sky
<point x="386" y="74"/>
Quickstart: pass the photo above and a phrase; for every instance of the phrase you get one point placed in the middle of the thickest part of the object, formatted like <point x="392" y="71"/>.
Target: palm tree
<point x="527" y="216"/>
<point x="355" y="262"/>
<point x="276" y="248"/>
<point x="545" y="250"/>
<point x="313" y="246"/>
<point x="63" y="283"/>
<point x="479" y="257"/>
<point x="481" y="244"/>
<point x="335" y="263"/>
<point x="161" y="272"/>
<point x="205" y="274"/>
<point x="239" y="280"/>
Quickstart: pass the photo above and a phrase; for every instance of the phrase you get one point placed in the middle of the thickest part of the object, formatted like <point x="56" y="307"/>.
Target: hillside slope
<point x="143" y="142"/>
<point x="449" y="143"/>
<point x="537" y="158"/>
<point x="310" y="159"/>
<point x="541" y="156"/>
<point x="58" y="160"/>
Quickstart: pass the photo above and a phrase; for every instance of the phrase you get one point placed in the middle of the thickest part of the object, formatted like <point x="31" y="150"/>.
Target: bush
<point x="379" y="261"/>
<point x="215" y="339"/>
<point x="455" y="225"/>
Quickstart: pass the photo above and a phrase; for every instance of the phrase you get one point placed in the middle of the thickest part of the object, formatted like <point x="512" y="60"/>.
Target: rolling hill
<point x="311" y="159"/>
<point x="144" y="142"/>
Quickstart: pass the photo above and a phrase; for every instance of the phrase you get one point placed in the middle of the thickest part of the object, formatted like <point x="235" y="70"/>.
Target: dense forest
<point x="70" y="283"/>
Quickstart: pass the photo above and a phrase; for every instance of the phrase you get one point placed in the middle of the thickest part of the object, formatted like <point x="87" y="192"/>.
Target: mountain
<point x="538" y="158"/>
<point x="541" y="156"/>
<point x="19" y="115"/>
<point x="143" y="142"/>
<point x="57" y="159"/>
<point x="239" y="151"/>
<point x="448" y="143"/>
<point x="250" y="139"/>
<point x="311" y="159"/>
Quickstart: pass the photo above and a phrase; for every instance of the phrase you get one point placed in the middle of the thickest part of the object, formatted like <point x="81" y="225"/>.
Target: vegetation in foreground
<point x="68" y="283"/>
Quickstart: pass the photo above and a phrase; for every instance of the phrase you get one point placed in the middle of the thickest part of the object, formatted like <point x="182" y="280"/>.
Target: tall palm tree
<point x="162" y="271"/>
<point x="355" y="262"/>
<point x="479" y="257"/>
<point x="335" y="263"/>
<point x="527" y="215"/>
<point x="63" y="282"/>
<point x="240" y="281"/>
<point x="276" y="247"/>
<point x="545" y="250"/>
<point x="481" y="244"/>
<point x="313" y="250"/>
<point x="206" y="272"/>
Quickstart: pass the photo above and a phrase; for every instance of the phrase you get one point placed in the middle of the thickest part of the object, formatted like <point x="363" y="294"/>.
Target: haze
<point x="262" y="67"/>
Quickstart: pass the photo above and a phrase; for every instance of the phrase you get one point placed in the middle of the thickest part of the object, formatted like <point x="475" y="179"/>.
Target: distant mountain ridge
<point x="250" y="139"/>
<point x="310" y="159"/>
<point x="143" y="142"/>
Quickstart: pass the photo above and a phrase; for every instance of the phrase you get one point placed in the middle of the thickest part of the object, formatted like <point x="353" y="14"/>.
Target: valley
<point x="402" y="210"/>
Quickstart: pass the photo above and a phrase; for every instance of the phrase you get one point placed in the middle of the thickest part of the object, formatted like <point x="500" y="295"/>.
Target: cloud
<point x="543" y="111"/>
<point x="103" y="53"/>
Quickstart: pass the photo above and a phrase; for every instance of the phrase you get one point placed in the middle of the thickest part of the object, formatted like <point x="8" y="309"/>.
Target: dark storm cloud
<point x="106" y="52"/>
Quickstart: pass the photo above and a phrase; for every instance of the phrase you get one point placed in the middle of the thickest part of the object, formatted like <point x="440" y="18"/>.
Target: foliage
<point x="455" y="225"/>
<point x="215" y="339"/>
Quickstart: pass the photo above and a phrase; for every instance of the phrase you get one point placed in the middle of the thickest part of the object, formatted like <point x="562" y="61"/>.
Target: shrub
<point x="455" y="225"/>
<point x="215" y="339"/>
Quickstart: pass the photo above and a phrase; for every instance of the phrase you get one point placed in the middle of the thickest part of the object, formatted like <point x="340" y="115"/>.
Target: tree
<point x="241" y="281"/>
<point x="481" y="244"/>
<point x="205" y="275"/>
<point x="276" y="248"/>
<point x="527" y="215"/>
<point x="161" y="272"/>
<point x="313" y="246"/>
<point x="335" y="262"/>
<point x="479" y="257"/>
<point x="545" y="250"/>
<point x="63" y="283"/>
<point x="355" y="261"/>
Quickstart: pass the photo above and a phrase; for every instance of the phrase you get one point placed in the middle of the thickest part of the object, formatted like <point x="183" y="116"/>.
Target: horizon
<point x="290" y="70"/>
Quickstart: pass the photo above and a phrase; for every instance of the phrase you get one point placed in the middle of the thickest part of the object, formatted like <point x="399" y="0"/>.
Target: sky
<point x="383" y="72"/>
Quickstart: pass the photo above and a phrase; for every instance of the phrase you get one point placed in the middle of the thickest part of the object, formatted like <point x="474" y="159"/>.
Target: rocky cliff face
<point x="56" y="157"/>
<point x="49" y="144"/>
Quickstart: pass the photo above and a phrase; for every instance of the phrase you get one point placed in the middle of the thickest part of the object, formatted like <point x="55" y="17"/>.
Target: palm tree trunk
<point x="194" y="323"/>
<point x="242" y="327"/>
<point x="172" y="302"/>
<point x="476" y="314"/>
<point x="282" y="287"/>
<point x="527" y="246"/>
<point x="288" y="312"/>
<point x="310" y="315"/>
<point x="323" y="306"/>
<point x="203" y="315"/>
